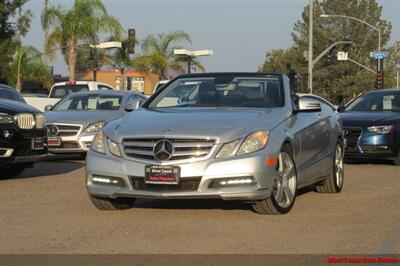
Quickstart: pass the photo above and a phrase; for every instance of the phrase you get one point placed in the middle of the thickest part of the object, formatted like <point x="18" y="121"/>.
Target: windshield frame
<point x="122" y="97"/>
<point x="244" y="75"/>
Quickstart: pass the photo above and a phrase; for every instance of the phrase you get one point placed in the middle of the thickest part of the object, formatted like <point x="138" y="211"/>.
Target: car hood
<point x="81" y="117"/>
<point x="222" y="124"/>
<point x="368" y="118"/>
<point x="14" y="107"/>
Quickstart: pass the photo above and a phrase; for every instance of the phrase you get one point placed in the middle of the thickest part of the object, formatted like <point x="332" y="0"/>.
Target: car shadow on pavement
<point x="194" y="204"/>
<point x="369" y="161"/>
<point x="46" y="168"/>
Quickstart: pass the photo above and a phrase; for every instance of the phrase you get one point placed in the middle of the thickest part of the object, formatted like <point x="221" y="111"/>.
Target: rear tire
<point x="334" y="183"/>
<point x="11" y="171"/>
<point x="112" y="204"/>
<point x="284" y="187"/>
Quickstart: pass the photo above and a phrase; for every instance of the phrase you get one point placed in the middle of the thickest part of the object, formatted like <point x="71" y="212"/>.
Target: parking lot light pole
<point x="103" y="45"/>
<point x="310" y="48"/>
<point x="191" y="55"/>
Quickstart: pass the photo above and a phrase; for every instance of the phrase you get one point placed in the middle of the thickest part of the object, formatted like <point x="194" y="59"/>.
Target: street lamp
<point x="103" y="45"/>
<point x="192" y="54"/>
<point x="361" y="21"/>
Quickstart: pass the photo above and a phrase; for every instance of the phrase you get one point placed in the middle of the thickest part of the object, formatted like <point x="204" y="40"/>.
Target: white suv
<point x="61" y="89"/>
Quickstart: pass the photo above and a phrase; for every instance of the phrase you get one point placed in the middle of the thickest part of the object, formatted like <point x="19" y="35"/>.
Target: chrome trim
<point x="25" y="120"/>
<point x="8" y="152"/>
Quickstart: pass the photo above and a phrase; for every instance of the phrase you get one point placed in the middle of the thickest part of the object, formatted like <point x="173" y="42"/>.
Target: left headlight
<point x="382" y="129"/>
<point x="114" y="148"/>
<point x="253" y="142"/>
<point x="6" y="118"/>
<point x="94" y="127"/>
<point x="98" y="143"/>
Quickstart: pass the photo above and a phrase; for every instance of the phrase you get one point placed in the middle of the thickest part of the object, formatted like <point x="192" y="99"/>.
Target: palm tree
<point x="27" y="64"/>
<point x="121" y="58"/>
<point x="65" y="29"/>
<point x="158" y="53"/>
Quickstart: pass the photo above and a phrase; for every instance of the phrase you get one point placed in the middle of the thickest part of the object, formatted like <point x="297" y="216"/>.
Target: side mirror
<point x="308" y="105"/>
<point x="48" y="107"/>
<point x="132" y="106"/>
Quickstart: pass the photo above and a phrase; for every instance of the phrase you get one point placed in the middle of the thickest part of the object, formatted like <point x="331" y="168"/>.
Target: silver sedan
<point x="234" y="136"/>
<point x="74" y="121"/>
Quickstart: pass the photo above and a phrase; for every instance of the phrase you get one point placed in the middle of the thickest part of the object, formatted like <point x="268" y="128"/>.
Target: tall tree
<point x="28" y="64"/>
<point x="65" y="29"/>
<point x="158" y="53"/>
<point x="14" y="22"/>
<point x="337" y="80"/>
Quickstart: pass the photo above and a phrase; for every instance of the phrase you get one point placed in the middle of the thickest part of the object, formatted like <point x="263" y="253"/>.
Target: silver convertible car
<point x="74" y="121"/>
<point x="233" y="136"/>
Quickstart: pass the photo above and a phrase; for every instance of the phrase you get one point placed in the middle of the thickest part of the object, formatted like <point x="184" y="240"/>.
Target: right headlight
<point x="254" y="142"/>
<point x="6" y="118"/>
<point x="98" y="143"/>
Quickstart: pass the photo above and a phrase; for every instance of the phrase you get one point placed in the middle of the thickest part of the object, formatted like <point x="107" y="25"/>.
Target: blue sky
<point x="239" y="31"/>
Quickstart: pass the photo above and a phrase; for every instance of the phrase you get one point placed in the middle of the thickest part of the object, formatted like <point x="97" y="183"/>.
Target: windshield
<point x="222" y="91"/>
<point x="90" y="102"/>
<point x="63" y="90"/>
<point x="376" y="102"/>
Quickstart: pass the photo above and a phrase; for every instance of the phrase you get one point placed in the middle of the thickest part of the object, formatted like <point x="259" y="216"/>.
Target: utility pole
<point x="310" y="48"/>
<point x="397" y="56"/>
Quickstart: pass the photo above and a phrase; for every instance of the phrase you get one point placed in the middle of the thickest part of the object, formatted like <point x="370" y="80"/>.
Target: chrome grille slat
<point x="25" y="121"/>
<point x="182" y="148"/>
<point x="66" y="130"/>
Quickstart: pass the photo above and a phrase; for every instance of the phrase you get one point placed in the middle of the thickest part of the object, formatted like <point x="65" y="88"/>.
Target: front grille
<point x="39" y="121"/>
<point x="64" y="130"/>
<point x="352" y="136"/>
<point x="182" y="148"/>
<point x="25" y="121"/>
<point x="185" y="184"/>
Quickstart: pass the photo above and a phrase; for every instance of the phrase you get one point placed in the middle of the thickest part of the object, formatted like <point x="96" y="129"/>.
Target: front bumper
<point x="208" y="171"/>
<point x="70" y="145"/>
<point x="372" y="146"/>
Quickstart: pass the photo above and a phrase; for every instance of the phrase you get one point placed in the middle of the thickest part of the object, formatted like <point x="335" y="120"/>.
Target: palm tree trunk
<point x="71" y="58"/>
<point x="18" y="85"/>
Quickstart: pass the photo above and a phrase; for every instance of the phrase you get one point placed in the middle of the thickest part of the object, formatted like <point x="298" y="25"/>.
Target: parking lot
<point x="47" y="210"/>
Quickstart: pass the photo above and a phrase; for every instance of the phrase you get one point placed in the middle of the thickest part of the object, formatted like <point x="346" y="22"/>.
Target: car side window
<point x="4" y="94"/>
<point x="15" y="96"/>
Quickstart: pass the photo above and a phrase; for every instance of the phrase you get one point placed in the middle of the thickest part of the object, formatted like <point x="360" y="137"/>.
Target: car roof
<point x="5" y="86"/>
<point x="382" y="91"/>
<point x="216" y="74"/>
<point x="106" y="92"/>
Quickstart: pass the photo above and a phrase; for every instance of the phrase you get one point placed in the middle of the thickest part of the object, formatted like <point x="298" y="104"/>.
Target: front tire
<point x="334" y="183"/>
<point x="284" y="187"/>
<point x="11" y="171"/>
<point x="112" y="204"/>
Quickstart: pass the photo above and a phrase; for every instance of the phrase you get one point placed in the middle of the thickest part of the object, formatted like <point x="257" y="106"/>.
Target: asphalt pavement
<point x="47" y="211"/>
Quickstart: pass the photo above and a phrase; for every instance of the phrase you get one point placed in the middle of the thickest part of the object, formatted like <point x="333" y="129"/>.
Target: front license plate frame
<point x="37" y="143"/>
<point x="54" y="141"/>
<point x="162" y="174"/>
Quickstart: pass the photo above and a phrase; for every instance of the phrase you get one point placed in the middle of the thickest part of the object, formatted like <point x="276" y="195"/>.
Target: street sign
<point x="342" y="56"/>
<point x="379" y="55"/>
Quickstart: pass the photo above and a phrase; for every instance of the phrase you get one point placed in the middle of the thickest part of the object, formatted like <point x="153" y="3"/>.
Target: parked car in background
<point x="22" y="134"/>
<point x="234" y="136"/>
<point x="73" y="122"/>
<point x="9" y="93"/>
<point x="62" y="89"/>
<point x="372" y="126"/>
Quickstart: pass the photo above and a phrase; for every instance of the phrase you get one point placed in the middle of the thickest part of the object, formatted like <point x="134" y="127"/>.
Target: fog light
<point x="233" y="182"/>
<point x="115" y="181"/>
<point x="7" y="134"/>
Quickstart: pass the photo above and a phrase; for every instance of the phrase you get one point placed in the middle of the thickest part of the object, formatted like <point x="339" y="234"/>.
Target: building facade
<point x="134" y="80"/>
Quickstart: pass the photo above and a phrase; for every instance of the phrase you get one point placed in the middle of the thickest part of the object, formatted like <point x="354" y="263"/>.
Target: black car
<point x="371" y="125"/>
<point x="22" y="133"/>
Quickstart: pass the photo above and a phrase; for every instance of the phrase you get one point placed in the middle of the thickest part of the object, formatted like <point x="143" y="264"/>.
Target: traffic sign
<point x="379" y="55"/>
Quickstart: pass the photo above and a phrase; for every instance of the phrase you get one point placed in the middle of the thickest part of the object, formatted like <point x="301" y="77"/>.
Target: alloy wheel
<point x="339" y="165"/>
<point x="284" y="186"/>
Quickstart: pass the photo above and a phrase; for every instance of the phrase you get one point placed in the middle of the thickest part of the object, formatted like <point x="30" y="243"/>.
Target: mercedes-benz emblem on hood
<point x="52" y="131"/>
<point x="163" y="150"/>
